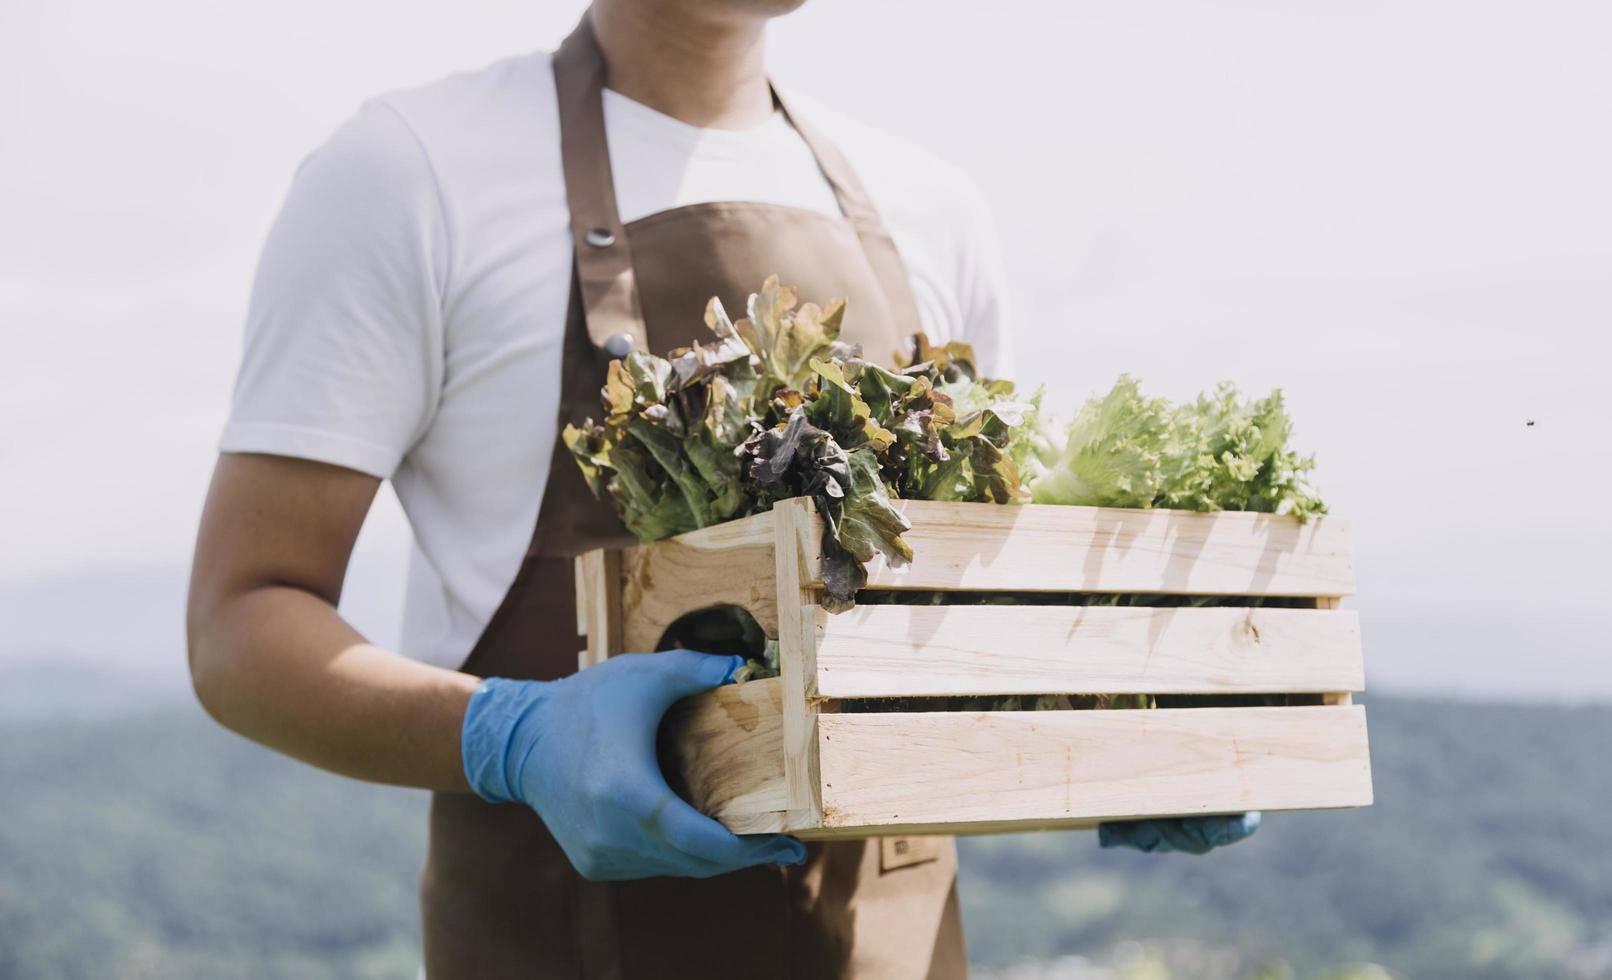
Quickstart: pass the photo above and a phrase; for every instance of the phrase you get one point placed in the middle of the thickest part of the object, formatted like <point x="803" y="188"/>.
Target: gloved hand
<point x="1190" y="835"/>
<point x="581" y="752"/>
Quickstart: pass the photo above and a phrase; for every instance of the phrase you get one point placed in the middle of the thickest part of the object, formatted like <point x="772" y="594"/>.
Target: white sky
<point x="1398" y="212"/>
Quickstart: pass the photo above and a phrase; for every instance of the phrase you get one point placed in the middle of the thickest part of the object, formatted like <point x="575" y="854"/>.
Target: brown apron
<point x="499" y="899"/>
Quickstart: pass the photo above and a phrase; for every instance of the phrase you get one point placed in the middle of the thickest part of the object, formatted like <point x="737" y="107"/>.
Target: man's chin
<point x="765" y="8"/>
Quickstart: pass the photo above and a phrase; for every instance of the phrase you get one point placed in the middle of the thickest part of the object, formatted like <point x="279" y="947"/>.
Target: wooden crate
<point x="780" y="755"/>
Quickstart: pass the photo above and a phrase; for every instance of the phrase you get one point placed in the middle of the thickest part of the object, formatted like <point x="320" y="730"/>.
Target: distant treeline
<point x="158" y="845"/>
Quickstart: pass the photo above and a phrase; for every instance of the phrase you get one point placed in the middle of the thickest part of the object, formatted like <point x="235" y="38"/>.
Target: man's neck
<point x="692" y="65"/>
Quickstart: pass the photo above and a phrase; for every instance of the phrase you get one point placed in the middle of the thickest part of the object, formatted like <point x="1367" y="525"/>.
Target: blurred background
<point x="1399" y="213"/>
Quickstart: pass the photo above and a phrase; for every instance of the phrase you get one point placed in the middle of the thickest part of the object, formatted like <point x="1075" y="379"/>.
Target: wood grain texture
<point x="799" y="620"/>
<point x="1041" y="548"/>
<point x="598" y="593"/>
<point x="776" y="755"/>
<point x="727" y="752"/>
<point x="582" y="593"/>
<point x="728" y="564"/>
<point x="1007" y="768"/>
<point x="889" y="651"/>
<point x="726" y="747"/>
<point x="970" y="829"/>
<point x="582" y="590"/>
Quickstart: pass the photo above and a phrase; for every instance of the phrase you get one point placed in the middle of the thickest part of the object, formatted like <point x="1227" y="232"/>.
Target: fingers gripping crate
<point x="789" y="753"/>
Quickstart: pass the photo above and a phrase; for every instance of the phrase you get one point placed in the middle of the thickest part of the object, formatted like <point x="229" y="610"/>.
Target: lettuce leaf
<point x="1115" y="452"/>
<point x="861" y="525"/>
<point x="1219" y="452"/>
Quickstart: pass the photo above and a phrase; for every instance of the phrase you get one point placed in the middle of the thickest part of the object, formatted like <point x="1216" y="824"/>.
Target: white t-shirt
<point x="408" y="311"/>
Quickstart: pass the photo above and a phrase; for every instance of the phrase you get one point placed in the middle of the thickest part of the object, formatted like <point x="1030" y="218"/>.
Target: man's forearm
<point x="280" y="666"/>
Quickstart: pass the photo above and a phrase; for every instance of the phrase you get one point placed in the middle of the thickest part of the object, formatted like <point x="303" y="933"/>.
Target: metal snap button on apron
<point x="618" y="344"/>
<point x="599" y="237"/>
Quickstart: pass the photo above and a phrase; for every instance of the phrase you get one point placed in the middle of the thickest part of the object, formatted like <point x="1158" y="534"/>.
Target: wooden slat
<point x="729" y="563"/>
<point x="888" y="651"/>
<point x="799" y="620"/>
<point x="725" y="749"/>
<point x="997" y="769"/>
<point x="598" y="588"/>
<point x="582" y="590"/>
<point x="728" y="747"/>
<point x="1043" y="548"/>
<point x="972" y="829"/>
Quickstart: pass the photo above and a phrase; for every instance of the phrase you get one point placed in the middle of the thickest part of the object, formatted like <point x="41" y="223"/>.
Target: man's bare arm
<point x="269" y="656"/>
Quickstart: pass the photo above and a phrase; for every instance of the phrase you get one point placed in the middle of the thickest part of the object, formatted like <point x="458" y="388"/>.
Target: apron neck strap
<point x="848" y="191"/>
<point x="603" y="257"/>
<point x="877" y="243"/>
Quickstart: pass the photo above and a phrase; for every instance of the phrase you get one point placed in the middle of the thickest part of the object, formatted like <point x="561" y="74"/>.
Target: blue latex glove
<point x="581" y="752"/>
<point x="1189" y="835"/>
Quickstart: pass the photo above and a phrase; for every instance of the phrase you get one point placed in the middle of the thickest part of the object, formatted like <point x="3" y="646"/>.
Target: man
<point x="449" y="277"/>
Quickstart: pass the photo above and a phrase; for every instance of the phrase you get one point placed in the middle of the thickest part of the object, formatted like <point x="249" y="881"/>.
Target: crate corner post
<point x="598" y="595"/>
<point x="799" y="619"/>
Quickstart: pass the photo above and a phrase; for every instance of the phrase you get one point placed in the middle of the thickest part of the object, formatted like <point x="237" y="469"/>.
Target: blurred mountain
<point x="148" y="842"/>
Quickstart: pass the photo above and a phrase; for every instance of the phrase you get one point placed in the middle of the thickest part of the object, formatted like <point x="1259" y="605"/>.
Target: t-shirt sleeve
<point x="982" y="288"/>
<point x="343" y="355"/>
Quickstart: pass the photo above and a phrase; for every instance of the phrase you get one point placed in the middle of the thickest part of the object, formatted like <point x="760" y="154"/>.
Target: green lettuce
<point x="1219" y="452"/>
<point x="776" y="406"/>
<point x="1240" y="460"/>
<point x="1115" y="453"/>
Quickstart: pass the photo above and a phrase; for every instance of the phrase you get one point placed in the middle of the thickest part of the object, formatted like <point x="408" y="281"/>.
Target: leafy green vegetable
<point x="1242" y="460"/>
<point x="776" y="406"/>
<point x="1217" y="453"/>
<point x="1115" y="453"/>
<point x="867" y="523"/>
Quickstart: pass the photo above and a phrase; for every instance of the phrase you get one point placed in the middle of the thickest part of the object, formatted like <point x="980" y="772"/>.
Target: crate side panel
<point x="726" y="749"/>
<point x="1042" y="548"/>
<point x="1038" y="768"/>
<point x="918" y="651"/>
<point x="727" y="564"/>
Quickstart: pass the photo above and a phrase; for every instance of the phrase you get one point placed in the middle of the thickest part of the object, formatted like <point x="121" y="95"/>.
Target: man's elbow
<point x="211" y="664"/>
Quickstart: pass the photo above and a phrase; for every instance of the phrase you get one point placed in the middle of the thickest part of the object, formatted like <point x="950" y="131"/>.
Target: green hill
<point x="158" y="845"/>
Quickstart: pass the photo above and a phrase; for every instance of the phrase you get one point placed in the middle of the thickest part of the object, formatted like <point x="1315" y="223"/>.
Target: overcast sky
<point x="1398" y="212"/>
